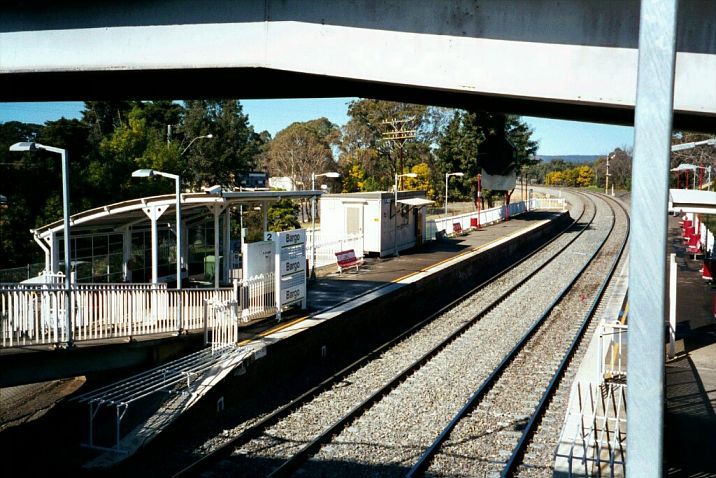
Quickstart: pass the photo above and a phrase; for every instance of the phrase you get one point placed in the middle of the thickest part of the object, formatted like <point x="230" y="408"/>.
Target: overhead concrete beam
<point x="537" y="55"/>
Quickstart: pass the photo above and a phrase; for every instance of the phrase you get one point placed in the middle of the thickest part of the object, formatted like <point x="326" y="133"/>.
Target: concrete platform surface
<point x="690" y="380"/>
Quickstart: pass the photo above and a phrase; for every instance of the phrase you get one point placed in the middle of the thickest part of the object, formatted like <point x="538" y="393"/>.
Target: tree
<point x="364" y="139"/>
<point x="585" y="176"/>
<point x="471" y="140"/>
<point x="353" y="179"/>
<point x="302" y="150"/>
<point x="422" y="181"/>
<point x="554" y="178"/>
<point x="234" y="149"/>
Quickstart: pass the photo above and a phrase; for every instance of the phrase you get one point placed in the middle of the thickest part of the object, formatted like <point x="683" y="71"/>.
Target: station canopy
<point x="193" y="205"/>
<point x="692" y="201"/>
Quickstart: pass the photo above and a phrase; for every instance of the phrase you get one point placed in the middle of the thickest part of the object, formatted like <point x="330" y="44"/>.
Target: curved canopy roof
<point x="193" y="205"/>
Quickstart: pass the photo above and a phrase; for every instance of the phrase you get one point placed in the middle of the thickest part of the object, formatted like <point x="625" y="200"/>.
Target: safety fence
<point x="256" y="298"/>
<point x="326" y="248"/>
<point x="35" y="314"/>
<point x="472" y="220"/>
<point x="594" y="437"/>
<point x="612" y="351"/>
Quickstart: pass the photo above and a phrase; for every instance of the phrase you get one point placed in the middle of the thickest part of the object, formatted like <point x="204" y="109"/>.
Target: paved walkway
<point x="690" y="383"/>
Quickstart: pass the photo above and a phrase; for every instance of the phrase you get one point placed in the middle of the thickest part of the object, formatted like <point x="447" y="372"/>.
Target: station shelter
<point x="135" y="240"/>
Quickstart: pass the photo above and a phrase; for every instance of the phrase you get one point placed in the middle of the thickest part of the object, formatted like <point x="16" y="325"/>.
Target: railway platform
<point x="358" y="310"/>
<point x="689" y="385"/>
<point x="690" y="379"/>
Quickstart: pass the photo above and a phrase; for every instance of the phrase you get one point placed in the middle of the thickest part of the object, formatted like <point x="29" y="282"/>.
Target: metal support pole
<point x="69" y="306"/>
<point x="446" y="193"/>
<point x="313" y="228"/>
<point x="647" y="267"/>
<point x="395" y="219"/>
<point x="180" y="324"/>
<point x="217" y="211"/>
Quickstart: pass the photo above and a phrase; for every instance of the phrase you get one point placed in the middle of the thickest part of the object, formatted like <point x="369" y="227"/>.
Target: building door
<point x="354" y="223"/>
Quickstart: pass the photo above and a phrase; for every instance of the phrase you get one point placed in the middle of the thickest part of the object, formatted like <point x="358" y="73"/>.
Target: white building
<point x="373" y="215"/>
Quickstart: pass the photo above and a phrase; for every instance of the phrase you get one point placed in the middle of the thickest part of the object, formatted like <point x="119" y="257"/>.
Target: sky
<point x="556" y="137"/>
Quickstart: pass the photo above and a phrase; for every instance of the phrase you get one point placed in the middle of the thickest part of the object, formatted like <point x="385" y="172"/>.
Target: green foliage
<point x="114" y="138"/>
<point x="233" y="149"/>
<point x="283" y="216"/>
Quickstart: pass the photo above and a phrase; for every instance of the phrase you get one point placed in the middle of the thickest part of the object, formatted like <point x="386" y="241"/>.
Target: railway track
<point x="284" y="440"/>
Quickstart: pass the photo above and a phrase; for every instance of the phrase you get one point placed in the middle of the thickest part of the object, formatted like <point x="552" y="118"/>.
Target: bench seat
<point x="347" y="259"/>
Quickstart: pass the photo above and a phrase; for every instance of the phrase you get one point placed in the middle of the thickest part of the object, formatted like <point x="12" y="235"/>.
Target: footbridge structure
<point x="651" y="63"/>
<point x="573" y="59"/>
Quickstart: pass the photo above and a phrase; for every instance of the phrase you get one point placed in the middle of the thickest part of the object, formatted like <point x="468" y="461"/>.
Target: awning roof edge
<point x="416" y="201"/>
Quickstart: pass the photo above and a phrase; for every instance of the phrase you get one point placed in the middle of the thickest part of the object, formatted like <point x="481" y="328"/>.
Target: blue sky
<point x="556" y="137"/>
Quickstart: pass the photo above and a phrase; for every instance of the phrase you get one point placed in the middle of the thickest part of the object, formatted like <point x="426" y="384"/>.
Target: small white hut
<point x="373" y="214"/>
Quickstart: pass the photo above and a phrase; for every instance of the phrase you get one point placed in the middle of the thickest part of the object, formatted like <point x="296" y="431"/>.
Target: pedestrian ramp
<point x="169" y="390"/>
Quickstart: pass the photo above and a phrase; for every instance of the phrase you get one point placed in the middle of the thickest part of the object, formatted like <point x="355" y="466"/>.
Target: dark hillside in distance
<point x="571" y="158"/>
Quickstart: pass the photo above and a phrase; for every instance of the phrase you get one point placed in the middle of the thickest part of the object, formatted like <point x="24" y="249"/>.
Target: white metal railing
<point x="612" y="351"/>
<point x="548" y="203"/>
<point x="33" y="314"/>
<point x="191" y="375"/>
<point x="257" y="298"/>
<point x="470" y="220"/>
<point x="594" y="437"/>
<point x="326" y="248"/>
<point x="221" y="323"/>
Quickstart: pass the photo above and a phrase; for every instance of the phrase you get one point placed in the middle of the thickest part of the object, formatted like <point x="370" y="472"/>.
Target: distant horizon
<point x="555" y="137"/>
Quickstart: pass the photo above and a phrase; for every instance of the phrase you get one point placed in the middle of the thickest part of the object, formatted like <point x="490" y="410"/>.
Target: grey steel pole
<point x="313" y="227"/>
<point x="395" y="219"/>
<point x="446" y="192"/>
<point x="647" y="264"/>
<point x="69" y="306"/>
<point x="180" y="323"/>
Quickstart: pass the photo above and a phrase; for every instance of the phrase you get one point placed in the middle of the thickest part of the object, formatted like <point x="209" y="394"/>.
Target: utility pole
<point x="606" y="181"/>
<point x="400" y="133"/>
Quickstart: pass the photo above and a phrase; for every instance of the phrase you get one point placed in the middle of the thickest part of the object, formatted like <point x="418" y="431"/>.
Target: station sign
<point x="290" y="266"/>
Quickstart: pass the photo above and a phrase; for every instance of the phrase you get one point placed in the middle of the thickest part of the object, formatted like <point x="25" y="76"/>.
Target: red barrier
<point x="707" y="271"/>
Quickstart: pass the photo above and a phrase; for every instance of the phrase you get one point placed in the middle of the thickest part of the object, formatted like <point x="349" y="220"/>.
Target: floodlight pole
<point x="177" y="181"/>
<point x="31" y="146"/>
<point x="207" y="136"/>
<point x="66" y="220"/>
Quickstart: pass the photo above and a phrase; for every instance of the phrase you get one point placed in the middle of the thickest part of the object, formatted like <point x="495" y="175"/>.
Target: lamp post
<point x="148" y="173"/>
<point x="447" y="175"/>
<point x="330" y="174"/>
<point x="207" y="136"/>
<point x="32" y="146"/>
<point x="395" y="216"/>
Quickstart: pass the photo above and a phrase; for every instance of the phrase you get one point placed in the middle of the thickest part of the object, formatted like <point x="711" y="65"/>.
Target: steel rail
<point x="256" y="429"/>
<point x="425" y="459"/>
<point x="535" y="418"/>
<point x="307" y="451"/>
